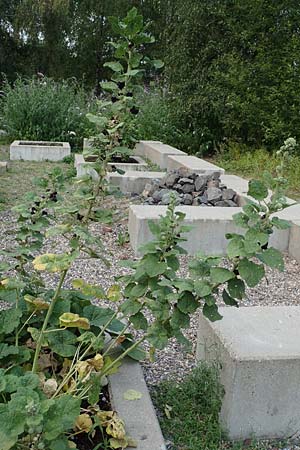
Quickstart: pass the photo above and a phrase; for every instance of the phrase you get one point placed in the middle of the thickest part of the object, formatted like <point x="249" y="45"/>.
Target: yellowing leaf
<point x="52" y="262"/>
<point x="114" y="425"/>
<point x="131" y="394"/>
<point x="85" y="368"/>
<point x="71" y="320"/>
<point x="88" y="289"/>
<point x="84" y="423"/>
<point x="114" y="293"/>
<point x="36" y="303"/>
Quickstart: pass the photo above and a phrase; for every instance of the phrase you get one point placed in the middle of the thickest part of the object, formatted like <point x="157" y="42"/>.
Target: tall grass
<point x="252" y="163"/>
<point x="42" y="109"/>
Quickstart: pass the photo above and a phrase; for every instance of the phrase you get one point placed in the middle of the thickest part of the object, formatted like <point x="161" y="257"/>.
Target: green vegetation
<point x="240" y="160"/>
<point x="188" y="413"/>
<point x="189" y="410"/>
<point x="233" y="70"/>
<point x="42" y="109"/>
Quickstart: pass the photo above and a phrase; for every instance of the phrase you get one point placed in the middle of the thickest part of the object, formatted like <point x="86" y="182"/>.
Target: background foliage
<point x="231" y="68"/>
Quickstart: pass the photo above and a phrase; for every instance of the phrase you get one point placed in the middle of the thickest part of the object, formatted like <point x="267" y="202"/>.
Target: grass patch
<point x="193" y="407"/>
<point x="18" y="180"/>
<point x="189" y="414"/>
<point x="239" y="160"/>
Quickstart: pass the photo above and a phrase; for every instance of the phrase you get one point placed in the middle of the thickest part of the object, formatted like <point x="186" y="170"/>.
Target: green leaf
<point x="153" y="266"/>
<point x="114" y="65"/>
<point x="211" y="312"/>
<point x="9" y="320"/>
<point x="61" y="416"/>
<point x="109" y="86"/>
<point x="179" y="319"/>
<point x="131" y="307"/>
<point x="272" y="258"/>
<point x="236" y="288"/>
<point x="158" y="64"/>
<point x="281" y="224"/>
<point x="187" y="303"/>
<point x="202" y="288"/>
<point x="8" y="350"/>
<point x="157" y="336"/>
<point x="62" y="342"/>
<point x="252" y="273"/>
<point x="139" y="290"/>
<point x="236" y="247"/>
<point x="137" y="353"/>
<point x="219" y="275"/>
<point x="228" y="300"/>
<point x="258" y="190"/>
<point x="139" y="321"/>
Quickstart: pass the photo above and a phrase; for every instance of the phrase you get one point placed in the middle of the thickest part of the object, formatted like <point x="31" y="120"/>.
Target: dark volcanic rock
<point x="214" y="195"/>
<point x="190" y="189"/>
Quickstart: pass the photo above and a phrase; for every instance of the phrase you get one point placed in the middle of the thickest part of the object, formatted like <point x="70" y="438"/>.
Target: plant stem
<point x="122" y="356"/>
<point x="48" y="315"/>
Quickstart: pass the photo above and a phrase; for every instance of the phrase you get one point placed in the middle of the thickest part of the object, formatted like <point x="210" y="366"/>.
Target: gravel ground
<point x="172" y="362"/>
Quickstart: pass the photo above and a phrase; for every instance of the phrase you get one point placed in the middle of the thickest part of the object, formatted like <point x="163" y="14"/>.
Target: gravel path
<point x="172" y="362"/>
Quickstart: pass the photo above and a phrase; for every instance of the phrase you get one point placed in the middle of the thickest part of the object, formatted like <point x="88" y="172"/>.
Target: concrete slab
<point x="210" y="225"/>
<point x="133" y="181"/>
<point x="192" y="163"/>
<point x="139" y="415"/>
<point x="259" y="352"/>
<point x="156" y="152"/>
<point x="39" y="150"/>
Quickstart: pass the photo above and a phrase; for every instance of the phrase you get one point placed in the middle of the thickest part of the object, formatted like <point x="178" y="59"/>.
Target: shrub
<point x="156" y="121"/>
<point x="42" y="109"/>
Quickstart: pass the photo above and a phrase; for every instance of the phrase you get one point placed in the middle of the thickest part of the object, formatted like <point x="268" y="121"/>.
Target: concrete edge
<point x="140" y="419"/>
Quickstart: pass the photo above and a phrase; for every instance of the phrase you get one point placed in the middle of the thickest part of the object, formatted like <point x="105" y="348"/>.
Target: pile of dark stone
<point x="190" y="189"/>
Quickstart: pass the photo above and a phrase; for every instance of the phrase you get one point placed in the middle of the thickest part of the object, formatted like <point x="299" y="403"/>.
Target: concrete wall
<point x="133" y="182"/>
<point x="209" y="227"/>
<point x="27" y="151"/>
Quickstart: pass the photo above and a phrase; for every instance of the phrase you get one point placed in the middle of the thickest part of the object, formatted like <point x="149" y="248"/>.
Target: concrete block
<point x="133" y="181"/>
<point x="139" y="415"/>
<point x="192" y="163"/>
<point x="259" y="352"/>
<point x="157" y="152"/>
<point x="209" y="227"/>
<point x="39" y="151"/>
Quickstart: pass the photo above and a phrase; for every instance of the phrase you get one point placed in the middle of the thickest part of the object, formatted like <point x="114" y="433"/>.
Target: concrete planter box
<point x="139" y="416"/>
<point x="259" y="352"/>
<point x="39" y="151"/>
<point x="84" y="166"/>
<point x="156" y="152"/>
